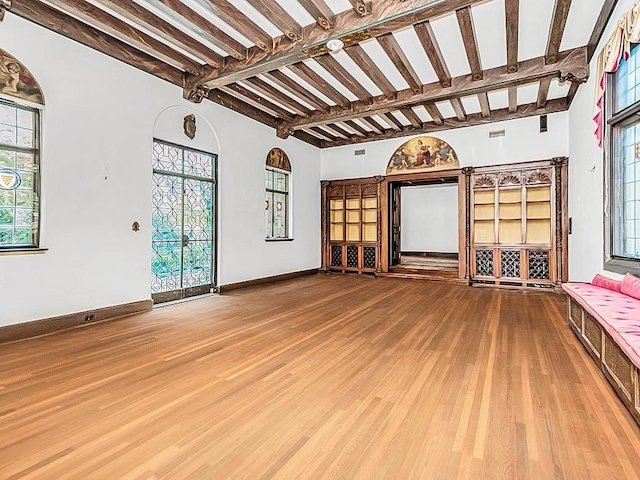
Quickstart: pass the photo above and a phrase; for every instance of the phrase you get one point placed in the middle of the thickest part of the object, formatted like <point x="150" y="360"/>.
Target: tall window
<point x="277" y="202"/>
<point x="19" y="176"/>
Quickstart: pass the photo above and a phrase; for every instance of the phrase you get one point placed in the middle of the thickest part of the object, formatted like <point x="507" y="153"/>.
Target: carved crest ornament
<point x="189" y="126"/>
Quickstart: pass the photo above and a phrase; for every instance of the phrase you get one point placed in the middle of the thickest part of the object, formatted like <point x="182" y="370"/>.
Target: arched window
<point x="277" y="189"/>
<point x="19" y="155"/>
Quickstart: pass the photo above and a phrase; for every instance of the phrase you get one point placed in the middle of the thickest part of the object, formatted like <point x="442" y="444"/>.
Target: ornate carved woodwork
<point x="351" y="225"/>
<point x="517" y="214"/>
<point x="198" y="94"/>
<point x="4" y="6"/>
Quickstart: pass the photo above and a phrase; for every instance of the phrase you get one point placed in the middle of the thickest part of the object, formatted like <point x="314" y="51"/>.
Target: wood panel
<point x="321" y="377"/>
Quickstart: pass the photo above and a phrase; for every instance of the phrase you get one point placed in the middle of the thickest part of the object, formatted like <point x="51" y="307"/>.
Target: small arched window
<point x="20" y="96"/>
<point x="277" y="200"/>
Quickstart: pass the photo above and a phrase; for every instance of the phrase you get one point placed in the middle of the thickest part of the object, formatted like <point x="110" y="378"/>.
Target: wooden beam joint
<point x="4" y="6"/>
<point x="197" y="94"/>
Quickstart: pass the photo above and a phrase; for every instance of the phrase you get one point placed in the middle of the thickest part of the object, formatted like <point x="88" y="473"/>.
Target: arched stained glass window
<point x="277" y="189"/>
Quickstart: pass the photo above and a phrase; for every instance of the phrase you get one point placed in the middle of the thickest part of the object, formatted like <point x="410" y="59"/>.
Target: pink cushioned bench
<point x="608" y="324"/>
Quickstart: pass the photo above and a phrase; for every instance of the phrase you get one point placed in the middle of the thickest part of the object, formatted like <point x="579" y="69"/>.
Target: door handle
<point x="185" y="240"/>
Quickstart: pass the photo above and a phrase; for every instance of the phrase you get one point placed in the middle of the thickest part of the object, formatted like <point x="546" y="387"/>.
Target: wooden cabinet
<point x="351" y="225"/>
<point x="518" y="226"/>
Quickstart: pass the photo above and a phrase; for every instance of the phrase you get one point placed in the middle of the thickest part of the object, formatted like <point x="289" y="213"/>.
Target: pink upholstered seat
<point x="619" y="314"/>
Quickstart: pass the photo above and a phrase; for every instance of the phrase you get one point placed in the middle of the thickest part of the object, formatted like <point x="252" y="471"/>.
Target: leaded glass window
<point x="277" y="178"/>
<point x="19" y="176"/>
<point x="276" y="203"/>
<point x="623" y="166"/>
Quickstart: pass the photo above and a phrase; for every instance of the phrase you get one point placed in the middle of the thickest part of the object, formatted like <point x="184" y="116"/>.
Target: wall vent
<point x="359" y="152"/>
<point x="497" y="133"/>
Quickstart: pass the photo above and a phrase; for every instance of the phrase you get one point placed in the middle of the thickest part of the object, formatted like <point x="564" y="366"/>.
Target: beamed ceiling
<point x="407" y="66"/>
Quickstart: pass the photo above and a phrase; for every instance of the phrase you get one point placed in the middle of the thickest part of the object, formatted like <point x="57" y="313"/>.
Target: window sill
<point x="22" y="251"/>
<point x="622" y="266"/>
<point x="278" y="239"/>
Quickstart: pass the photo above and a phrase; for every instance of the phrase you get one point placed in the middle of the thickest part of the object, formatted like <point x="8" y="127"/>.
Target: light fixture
<point x="335" y="44"/>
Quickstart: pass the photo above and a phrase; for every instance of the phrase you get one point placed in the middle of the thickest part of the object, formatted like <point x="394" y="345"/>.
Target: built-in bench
<point x="607" y="322"/>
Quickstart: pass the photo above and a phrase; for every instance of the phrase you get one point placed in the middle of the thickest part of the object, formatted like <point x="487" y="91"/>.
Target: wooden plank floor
<point x="323" y="377"/>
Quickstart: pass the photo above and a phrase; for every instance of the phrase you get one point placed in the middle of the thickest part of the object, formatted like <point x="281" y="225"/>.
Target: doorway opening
<point x="425" y="235"/>
<point x="183" y="262"/>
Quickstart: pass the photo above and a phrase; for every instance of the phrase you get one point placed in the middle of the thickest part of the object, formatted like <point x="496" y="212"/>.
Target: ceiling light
<point x="335" y="44"/>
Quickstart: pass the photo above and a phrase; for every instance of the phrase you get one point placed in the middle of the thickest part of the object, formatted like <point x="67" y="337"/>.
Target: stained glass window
<point x="19" y="176"/>
<point x="276" y="203"/>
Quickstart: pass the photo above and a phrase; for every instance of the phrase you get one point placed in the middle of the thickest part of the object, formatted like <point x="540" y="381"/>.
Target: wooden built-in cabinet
<point x="351" y="225"/>
<point x="518" y="227"/>
<point x="513" y="224"/>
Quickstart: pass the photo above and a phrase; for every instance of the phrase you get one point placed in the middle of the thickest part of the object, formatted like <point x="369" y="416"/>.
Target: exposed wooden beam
<point x="216" y="36"/>
<point x="598" y="30"/>
<point x="512" y="14"/>
<point x="316" y="81"/>
<point x="252" y="98"/>
<point x="556" y="32"/>
<point x="136" y="13"/>
<point x="290" y="85"/>
<point x="456" y="103"/>
<point x="485" y="108"/>
<point x="571" y="62"/>
<point x="121" y="30"/>
<point x="277" y="15"/>
<point x="393" y="121"/>
<point x="430" y="44"/>
<point x="368" y="66"/>
<point x="58" y="22"/>
<point x="320" y="12"/>
<point x="543" y="92"/>
<point x="411" y="116"/>
<point x="513" y="99"/>
<point x="276" y="95"/>
<point x="332" y="66"/>
<point x="467" y="29"/>
<point x="434" y="112"/>
<point x="386" y="17"/>
<point x="357" y="132"/>
<point x="323" y="132"/>
<point x="361" y="132"/>
<point x="339" y="130"/>
<point x="229" y="14"/>
<point x="375" y="126"/>
<point x="393" y="50"/>
<point x="234" y="103"/>
<point x="361" y="7"/>
<point x="529" y="110"/>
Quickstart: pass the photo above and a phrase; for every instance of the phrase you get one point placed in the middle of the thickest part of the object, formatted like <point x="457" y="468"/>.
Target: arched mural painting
<point x="17" y="81"/>
<point x="423" y="154"/>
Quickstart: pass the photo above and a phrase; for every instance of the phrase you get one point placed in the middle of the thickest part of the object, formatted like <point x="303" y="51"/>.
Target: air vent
<point x="496" y="133"/>
<point x="359" y="152"/>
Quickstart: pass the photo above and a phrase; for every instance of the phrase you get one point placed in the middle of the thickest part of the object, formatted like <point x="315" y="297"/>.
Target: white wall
<point x="429" y="219"/>
<point x="522" y="142"/>
<point x="98" y="122"/>
<point x="586" y="175"/>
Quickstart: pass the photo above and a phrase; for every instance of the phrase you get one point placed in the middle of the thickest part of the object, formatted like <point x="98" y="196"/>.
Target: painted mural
<point x="16" y="80"/>
<point x="423" y="154"/>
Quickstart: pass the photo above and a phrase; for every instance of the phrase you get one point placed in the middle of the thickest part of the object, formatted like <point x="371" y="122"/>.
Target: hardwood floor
<point x="321" y="377"/>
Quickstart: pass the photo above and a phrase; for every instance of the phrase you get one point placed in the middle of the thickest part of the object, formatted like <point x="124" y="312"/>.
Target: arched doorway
<point x="184" y="206"/>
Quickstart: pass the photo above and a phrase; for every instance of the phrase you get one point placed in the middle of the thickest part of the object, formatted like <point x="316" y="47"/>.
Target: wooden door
<point x="395" y="224"/>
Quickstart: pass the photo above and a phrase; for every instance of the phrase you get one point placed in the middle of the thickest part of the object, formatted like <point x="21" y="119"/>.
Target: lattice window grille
<point x="352" y="256"/>
<point x="336" y="256"/>
<point x="510" y="263"/>
<point x="539" y="265"/>
<point x="484" y="263"/>
<point x="369" y="257"/>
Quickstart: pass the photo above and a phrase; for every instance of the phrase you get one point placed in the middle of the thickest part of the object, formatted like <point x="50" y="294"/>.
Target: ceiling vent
<point x="359" y="152"/>
<point x="496" y="133"/>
